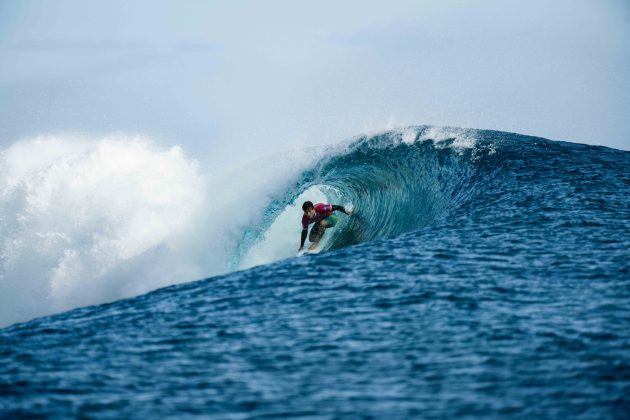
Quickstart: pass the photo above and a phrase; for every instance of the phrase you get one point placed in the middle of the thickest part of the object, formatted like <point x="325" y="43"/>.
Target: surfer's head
<point x="308" y="208"/>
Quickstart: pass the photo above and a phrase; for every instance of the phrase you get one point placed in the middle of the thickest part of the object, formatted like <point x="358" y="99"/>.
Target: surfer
<point x="322" y="216"/>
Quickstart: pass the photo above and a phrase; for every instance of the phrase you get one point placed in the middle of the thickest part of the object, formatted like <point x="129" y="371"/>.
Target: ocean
<point x="484" y="274"/>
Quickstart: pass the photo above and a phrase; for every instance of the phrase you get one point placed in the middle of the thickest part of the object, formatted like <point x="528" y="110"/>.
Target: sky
<point x="232" y="81"/>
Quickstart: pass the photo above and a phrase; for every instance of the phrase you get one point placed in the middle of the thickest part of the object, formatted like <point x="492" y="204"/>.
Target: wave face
<point x="486" y="274"/>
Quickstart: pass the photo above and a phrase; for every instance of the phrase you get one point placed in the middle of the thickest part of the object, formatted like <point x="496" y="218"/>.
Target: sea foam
<point x="91" y="220"/>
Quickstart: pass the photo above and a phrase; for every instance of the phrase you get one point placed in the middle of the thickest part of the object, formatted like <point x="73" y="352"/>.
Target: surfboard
<point x="307" y="252"/>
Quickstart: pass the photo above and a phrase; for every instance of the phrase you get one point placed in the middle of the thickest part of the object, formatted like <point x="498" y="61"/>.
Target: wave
<point x="85" y="221"/>
<point x="396" y="181"/>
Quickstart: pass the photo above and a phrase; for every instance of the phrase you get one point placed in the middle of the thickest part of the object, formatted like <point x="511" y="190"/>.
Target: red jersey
<point x="322" y="211"/>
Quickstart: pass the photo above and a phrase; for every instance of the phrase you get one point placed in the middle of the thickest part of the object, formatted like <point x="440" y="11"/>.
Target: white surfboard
<point x="308" y="252"/>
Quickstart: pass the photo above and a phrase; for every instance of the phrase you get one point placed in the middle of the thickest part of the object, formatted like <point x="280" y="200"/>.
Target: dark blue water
<point x="486" y="281"/>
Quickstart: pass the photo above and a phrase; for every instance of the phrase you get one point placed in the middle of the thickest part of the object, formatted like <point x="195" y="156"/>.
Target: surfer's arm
<point x="304" y="232"/>
<point x="340" y="208"/>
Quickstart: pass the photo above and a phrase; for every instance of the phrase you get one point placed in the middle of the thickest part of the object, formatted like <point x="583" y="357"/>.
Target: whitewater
<point x="90" y="220"/>
<point x="484" y="273"/>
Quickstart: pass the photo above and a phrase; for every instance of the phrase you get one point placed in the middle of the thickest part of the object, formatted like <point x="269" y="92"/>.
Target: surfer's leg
<point x="316" y="233"/>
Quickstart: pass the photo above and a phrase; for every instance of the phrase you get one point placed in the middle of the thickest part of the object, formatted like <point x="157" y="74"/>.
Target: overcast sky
<point x="233" y="80"/>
